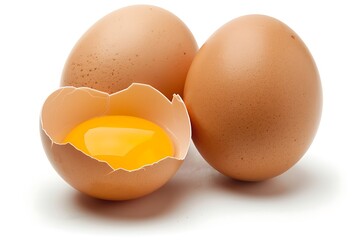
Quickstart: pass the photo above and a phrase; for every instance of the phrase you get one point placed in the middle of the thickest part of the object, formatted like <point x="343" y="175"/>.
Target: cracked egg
<point x="116" y="146"/>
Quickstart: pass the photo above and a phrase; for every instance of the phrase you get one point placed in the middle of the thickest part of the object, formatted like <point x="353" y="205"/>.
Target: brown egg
<point x="144" y="44"/>
<point x="254" y="97"/>
<point x="68" y="106"/>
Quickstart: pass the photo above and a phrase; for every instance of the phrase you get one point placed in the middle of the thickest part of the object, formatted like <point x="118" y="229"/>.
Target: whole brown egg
<point x="135" y="44"/>
<point x="254" y="97"/>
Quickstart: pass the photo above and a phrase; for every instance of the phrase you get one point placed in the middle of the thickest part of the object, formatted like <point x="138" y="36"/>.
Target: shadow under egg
<point x="276" y="187"/>
<point x="310" y="183"/>
<point x="155" y="205"/>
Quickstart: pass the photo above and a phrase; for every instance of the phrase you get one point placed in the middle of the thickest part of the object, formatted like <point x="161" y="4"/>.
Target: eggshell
<point x="141" y="43"/>
<point x="254" y="97"/>
<point x="68" y="106"/>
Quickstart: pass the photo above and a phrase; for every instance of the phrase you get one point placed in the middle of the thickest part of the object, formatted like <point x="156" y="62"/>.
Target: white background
<point x="318" y="198"/>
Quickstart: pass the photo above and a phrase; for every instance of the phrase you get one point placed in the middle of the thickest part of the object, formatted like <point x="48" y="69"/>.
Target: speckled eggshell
<point x="140" y="43"/>
<point x="254" y="97"/>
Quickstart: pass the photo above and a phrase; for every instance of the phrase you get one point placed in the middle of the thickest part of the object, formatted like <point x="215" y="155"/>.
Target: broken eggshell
<point x="69" y="106"/>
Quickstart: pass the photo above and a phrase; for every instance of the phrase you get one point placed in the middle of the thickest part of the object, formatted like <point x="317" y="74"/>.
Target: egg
<point x="254" y="97"/>
<point x="146" y="113"/>
<point x="140" y="43"/>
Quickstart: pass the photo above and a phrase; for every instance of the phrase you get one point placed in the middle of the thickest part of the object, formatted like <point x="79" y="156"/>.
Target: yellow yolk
<point x="122" y="141"/>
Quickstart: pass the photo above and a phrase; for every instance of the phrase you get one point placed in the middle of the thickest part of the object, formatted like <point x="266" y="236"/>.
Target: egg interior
<point x="146" y="108"/>
<point x="122" y="141"/>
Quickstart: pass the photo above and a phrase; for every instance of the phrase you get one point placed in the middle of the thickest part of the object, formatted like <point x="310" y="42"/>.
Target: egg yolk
<point x="122" y="141"/>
